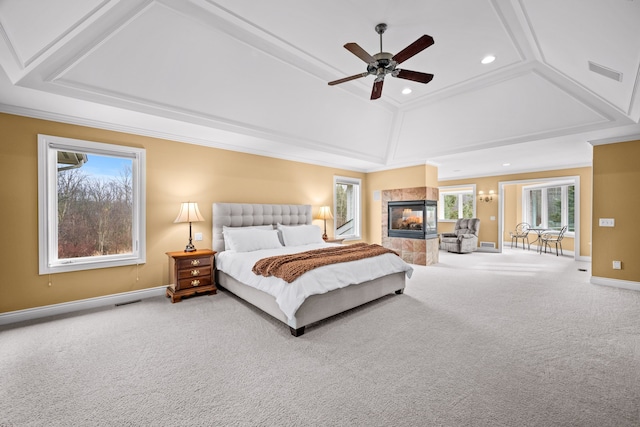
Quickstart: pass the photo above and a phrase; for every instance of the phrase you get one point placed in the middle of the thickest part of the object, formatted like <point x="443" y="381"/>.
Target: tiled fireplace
<point x="413" y="228"/>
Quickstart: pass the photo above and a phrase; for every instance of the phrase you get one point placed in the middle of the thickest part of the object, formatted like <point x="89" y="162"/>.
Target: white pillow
<point x="298" y="235"/>
<point x="255" y="227"/>
<point x="251" y="239"/>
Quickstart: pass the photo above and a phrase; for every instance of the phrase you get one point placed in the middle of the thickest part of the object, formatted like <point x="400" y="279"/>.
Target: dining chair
<point x="521" y="232"/>
<point x="549" y="238"/>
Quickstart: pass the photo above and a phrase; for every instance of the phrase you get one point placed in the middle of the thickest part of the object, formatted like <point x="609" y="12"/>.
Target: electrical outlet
<point x="197" y="236"/>
<point x="617" y="265"/>
<point x="607" y="222"/>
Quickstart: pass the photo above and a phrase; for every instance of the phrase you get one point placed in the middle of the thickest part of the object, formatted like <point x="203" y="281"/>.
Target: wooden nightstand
<point x="191" y="273"/>
<point x="338" y="240"/>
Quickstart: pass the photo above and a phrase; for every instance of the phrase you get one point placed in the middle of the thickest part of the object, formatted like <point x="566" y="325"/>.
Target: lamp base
<point x="190" y="247"/>
<point x="324" y="236"/>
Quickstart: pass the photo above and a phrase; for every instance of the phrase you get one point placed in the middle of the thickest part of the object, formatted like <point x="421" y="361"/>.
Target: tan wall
<point x="415" y="176"/>
<point x="445" y="227"/>
<point x="176" y="172"/>
<point x="616" y="176"/>
<point x="489" y="229"/>
<point x="512" y="210"/>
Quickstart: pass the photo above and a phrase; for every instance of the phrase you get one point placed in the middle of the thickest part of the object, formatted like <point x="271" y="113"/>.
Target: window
<point x="347" y="205"/>
<point x="550" y="207"/>
<point x="456" y="203"/>
<point x="91" y="199"/>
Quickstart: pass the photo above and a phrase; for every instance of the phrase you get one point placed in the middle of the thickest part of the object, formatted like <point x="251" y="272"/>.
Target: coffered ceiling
<point x="251" y="76"/>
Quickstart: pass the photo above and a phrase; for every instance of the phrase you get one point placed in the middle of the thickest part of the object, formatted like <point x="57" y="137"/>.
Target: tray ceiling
<point x="252" y="76"/>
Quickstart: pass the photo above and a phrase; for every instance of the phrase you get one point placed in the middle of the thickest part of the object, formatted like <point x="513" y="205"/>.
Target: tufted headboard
<point x="250" y="214"/>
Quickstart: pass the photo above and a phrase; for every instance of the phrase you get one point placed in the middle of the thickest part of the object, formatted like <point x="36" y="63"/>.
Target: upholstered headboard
<point x="248" y="214"/>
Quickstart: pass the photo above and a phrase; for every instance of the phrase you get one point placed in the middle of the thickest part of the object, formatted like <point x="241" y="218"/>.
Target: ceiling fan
<point x="384" y="63"/>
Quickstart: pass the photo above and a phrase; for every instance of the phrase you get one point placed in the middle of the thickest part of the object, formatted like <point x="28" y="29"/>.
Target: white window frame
<point x="48" y="201"/>
<point x="458" y="190"/>
<point x="357" y="227"/>
<point x="544" y="204"/>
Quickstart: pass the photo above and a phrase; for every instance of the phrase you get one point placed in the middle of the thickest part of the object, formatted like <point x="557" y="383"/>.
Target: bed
<point x="317" y="294"/>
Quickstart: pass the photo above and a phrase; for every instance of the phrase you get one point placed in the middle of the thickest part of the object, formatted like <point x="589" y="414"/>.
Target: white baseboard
<point x="69" y="307"/>
<point x="624" y="284"/>
<point x="486" y="249"/>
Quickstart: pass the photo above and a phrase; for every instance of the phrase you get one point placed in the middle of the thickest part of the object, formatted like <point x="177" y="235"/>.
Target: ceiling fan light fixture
<point x="488" y="59"/>
<point x="383" y="63"/>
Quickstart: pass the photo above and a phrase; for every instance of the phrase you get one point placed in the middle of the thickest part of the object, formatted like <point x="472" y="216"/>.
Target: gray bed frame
<point x="316" y="307"/>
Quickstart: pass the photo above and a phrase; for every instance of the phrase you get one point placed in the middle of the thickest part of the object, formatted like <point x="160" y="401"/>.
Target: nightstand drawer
<point x="193" y="262"/>
<point x="193" y="282"/>
<point x="194" y="272"/>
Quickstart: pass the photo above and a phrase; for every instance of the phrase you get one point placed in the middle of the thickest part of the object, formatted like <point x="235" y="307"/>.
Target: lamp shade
<point x="324" y="213"/>
<point x="189" y="212"/>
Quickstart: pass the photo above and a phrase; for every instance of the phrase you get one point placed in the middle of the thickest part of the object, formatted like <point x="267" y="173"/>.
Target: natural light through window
<point x="91" y="204"/>
<point x="347" y="207"/>
<point x="456" y="202"/>
<point x="550" y="206"/>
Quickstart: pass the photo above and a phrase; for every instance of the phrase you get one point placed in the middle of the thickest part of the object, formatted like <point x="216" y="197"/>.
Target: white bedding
<point x="290" y="296"/>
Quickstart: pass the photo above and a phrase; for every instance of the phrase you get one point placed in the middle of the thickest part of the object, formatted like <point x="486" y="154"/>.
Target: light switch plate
<point x="607" y="222"/>
<point x="197" y="237"/>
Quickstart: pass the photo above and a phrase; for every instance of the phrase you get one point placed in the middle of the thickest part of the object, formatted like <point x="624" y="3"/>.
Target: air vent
<point x="488" y="245"/>
<point x="604" y="71"/>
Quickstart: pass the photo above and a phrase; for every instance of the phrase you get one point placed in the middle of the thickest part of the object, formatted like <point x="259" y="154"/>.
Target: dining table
<point x="539" y="231"/>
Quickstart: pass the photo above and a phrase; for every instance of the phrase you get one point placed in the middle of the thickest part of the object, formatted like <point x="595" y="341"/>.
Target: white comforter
<point x="290" y="296"/>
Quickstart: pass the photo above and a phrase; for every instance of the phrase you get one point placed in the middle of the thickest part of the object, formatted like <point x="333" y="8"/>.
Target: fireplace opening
<point x="416" y="219"/>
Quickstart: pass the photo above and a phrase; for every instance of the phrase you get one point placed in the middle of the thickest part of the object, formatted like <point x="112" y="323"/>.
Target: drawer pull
<point x="195" y="282"/>
<point x="195" y="262"/>
<point x="195" y="272"/>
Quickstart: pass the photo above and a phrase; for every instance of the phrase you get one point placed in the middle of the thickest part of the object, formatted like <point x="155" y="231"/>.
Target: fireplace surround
<point x="413" y="219"/>
<point x="419" y="251"/>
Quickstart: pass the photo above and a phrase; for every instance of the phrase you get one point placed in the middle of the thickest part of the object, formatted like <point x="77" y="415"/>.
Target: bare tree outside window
<point x="342" y="205"/>
<point x="94" y="211"/>
<point x="91" y="199"/>
<point x="347" y="207"/>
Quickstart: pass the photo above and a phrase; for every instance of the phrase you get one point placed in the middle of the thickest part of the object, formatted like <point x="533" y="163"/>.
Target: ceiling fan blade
<point x="416" y="76"/>
<point x="360" y="53"/>
<point x="377" y="89"/>
<point x="416" y="47"/>
<point x="346" y="79"/>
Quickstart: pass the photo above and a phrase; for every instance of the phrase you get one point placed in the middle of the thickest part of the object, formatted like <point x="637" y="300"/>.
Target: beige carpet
<point x="513" y="339"/>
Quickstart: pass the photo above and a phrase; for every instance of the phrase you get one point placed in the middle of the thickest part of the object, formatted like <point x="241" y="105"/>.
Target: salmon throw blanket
<point x="290" y="267"/>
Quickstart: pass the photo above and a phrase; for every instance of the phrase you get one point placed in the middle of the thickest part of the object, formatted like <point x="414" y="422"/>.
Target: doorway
<point x="513" y="206"/>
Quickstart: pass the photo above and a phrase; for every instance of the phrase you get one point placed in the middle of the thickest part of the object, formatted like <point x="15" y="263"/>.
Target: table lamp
<point x="324" y="214"/>
<point x="189" y="212"/>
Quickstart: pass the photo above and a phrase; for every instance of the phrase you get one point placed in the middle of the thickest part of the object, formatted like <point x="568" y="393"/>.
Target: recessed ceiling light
<point x="488" y="59"/>
<point x="506" y="164"/>
<point x="406" y="91"/>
